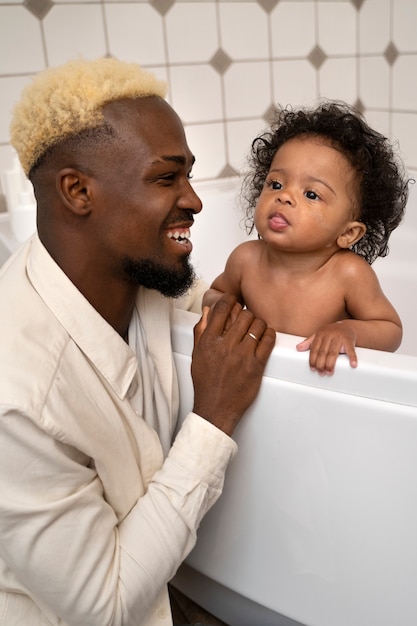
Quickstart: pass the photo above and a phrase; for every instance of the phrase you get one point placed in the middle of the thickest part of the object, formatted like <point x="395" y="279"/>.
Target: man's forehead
<point x="130" y="110"/>
<point x="151" y="124"/>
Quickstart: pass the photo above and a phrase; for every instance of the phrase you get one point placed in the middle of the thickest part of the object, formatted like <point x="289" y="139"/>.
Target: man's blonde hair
<point x="66" y="100"/>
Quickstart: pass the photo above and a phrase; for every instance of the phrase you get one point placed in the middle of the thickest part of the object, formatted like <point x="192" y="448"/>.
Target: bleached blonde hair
<point x="66" y="100"/>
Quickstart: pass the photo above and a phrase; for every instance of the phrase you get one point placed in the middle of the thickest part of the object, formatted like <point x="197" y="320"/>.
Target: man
<point x="97" y="507"/>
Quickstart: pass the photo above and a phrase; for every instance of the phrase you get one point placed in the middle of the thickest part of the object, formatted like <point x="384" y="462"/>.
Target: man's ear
<point x="352" y="233"/>
<point x="74" y="189"/>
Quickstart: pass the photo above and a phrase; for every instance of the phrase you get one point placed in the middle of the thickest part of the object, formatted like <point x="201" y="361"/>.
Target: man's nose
<point x="190" y="200"/>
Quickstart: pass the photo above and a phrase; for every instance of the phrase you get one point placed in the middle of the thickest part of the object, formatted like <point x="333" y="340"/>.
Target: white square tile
<point x="218" y="229"/>
<point x="72" y="1"/>
<point x="161" y="73"/>
<point x="6" y="159"/>
<point x="72" y="31"/>
<point x="337" y="27"/>
<point x="206" y="142"/>
<point x="135" y="33"/>
<point x="240" y="135"/>
<point x="380" y="121"/>
<point x="247" y="89"/>
<point x="20" y="41"/>
<point x="374" y="82"/>
<point x="404" y="25"/>
<point x="374" y="39"/>
<point x="404" y="129"/>
<point x="404" y="91"/>
<point x="196" y="30"/>
<point x="293" y="29"/>
<point x="294" y="82"/>
<point x="192" y="35"/>
<point x="243" y="30"/>
<point x="10" y="91"/>
<point x="196" y="93"/>
<point x="412" y="172"/>
<point x="338" y="79"/>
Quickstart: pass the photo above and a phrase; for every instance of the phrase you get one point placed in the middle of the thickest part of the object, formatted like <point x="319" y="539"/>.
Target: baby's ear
<point x="352" y="233"/>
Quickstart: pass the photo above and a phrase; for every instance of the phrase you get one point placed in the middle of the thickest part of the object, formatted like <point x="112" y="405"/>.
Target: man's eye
<point x="167" y="178"/>
<point x="311" y="195"/>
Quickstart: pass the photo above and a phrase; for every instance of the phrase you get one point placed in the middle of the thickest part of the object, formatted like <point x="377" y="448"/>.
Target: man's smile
<point x="181" y="235"/>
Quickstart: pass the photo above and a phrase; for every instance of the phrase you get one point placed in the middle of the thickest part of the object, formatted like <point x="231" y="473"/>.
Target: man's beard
<point x="171" y="283"/>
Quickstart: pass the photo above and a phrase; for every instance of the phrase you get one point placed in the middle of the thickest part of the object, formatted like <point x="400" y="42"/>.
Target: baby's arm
<point x="228" y="281"/>
<point x="374" y="323"/>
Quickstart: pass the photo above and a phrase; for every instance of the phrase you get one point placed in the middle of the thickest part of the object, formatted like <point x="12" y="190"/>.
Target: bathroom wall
<point x="227" y="62"/>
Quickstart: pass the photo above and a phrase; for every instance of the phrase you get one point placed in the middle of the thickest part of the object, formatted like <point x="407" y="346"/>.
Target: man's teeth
<point x="182" y="237"/>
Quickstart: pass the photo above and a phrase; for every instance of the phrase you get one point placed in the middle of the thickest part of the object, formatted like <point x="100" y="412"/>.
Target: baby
<point x="325" y="192"/>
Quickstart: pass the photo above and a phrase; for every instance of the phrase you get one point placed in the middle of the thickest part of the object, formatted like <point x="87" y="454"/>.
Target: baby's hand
<point x="234" y="314"/>
<point x="326" y="345"/>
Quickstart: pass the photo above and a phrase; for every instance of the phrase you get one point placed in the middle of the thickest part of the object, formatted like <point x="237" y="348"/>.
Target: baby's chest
<point x="295" y="306"/>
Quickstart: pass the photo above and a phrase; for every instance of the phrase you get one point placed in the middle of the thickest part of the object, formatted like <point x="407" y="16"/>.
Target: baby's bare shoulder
<point x="247" y="251"/>
<point x="351" y="265"/>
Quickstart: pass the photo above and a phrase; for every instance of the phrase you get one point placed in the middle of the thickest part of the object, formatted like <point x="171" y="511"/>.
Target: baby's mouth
<point x="278" y="221"/>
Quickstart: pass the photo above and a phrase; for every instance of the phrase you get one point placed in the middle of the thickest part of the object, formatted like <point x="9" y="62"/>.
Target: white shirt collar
<point x="88" y="329"/>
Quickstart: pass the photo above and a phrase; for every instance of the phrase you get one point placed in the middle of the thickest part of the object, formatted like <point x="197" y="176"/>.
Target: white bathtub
<point x="317" y="524"/>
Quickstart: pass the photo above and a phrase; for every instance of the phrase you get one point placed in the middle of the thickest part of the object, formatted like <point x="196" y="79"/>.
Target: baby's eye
<point x="311" y="195"/>
<point x="274" y="184"/>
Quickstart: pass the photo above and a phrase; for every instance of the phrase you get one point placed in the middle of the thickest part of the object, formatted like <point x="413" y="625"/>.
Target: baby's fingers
<point x="323" y="357"/>
<point x="323" y="363"/>
<point x="304" y="345"/>
<point x="201" y="325"/>
<point x="351" y="354"/>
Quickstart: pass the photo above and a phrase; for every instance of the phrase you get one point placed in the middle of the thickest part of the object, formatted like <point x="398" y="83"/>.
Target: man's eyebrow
<point x="173" y="158"/>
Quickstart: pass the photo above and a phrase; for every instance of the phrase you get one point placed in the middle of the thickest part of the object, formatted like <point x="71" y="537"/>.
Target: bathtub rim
<point x="386" y="376"/>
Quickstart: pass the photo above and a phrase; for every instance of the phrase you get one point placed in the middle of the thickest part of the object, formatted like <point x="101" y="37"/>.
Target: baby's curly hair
<point x="382" y="184"/>
<point x="65" y="101"/>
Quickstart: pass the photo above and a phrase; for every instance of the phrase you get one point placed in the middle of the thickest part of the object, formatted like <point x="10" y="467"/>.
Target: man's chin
<point x="170" y="282"/>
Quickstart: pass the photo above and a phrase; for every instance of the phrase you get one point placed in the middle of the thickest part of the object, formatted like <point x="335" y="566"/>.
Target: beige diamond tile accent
<point x="220" y="61"/>
<point x="270" y="115"/>
<point x="162" y="6"/>
<point x="357" y="3"/>
<point x="268" y="5"/>
<point x="39" y="8"/>
<point x="391" y="54"/>
<point x="359" y="106"/>
<point x="317" y="57"/>
<point x="228" y="172"/>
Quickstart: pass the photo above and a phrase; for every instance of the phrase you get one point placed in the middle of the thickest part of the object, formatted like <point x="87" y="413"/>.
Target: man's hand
<point x="231" y="349"/>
